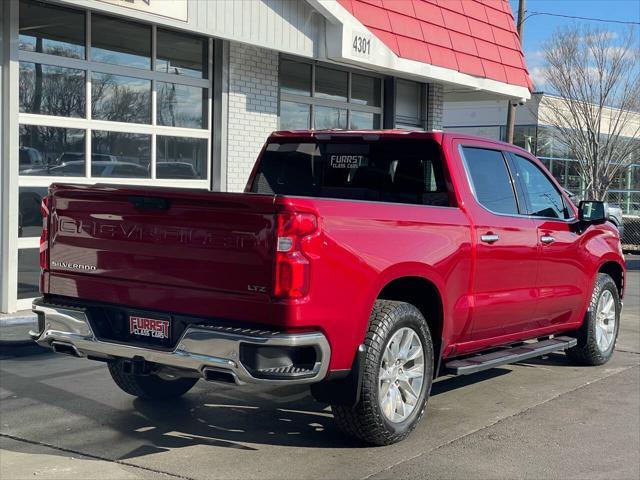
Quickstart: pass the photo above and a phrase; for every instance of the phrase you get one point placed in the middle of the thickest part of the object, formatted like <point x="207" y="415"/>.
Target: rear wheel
<point x="397" y="376"/>
<point x="150" y="387"/>
<point x="599" y="332"/>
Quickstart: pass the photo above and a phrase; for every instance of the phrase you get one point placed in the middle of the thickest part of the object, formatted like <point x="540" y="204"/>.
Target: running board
<point x="507" y="355"/>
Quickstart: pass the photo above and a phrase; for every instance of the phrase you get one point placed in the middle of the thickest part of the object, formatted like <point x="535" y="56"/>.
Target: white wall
<point x="486" y="113"/>
<point x="290" y="26"/>
<point x="253" y="108"/>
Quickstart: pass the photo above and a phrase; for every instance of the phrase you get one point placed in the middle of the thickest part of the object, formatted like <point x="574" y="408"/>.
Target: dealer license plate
<point x="152" y="328"/>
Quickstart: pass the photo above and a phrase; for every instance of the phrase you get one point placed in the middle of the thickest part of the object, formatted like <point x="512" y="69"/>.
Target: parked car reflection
<point x="79" y="156"/>
<point x="29" y="158"/>
<point x="99" y="168"/>
<point x="175" y="170"/>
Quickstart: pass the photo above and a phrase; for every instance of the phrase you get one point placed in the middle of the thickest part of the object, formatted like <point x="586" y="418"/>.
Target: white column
<point x="8" y="156"/>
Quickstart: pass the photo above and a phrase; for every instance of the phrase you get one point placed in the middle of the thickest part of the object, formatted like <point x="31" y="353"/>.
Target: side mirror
<point x="593" y="212"/>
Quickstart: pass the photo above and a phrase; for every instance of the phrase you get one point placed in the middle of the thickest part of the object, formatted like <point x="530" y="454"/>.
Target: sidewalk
<point x="21" y="460"/>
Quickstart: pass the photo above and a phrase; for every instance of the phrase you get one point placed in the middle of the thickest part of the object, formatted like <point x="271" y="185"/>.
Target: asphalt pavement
<point x="62" y="417"/>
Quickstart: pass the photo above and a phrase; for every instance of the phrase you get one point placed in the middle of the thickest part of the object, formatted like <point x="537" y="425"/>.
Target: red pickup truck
<point x="364" y="263"/>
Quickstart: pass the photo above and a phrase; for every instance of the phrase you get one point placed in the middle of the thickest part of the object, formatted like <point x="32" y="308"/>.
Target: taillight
<point x="44" y="236"/>
<point x="292" y="267"/>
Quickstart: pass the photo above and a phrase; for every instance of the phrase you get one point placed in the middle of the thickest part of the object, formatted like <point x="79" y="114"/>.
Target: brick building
<point x="184" y="92"/>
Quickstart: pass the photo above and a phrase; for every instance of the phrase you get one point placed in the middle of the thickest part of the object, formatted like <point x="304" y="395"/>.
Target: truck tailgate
<point x="181" y="238"/>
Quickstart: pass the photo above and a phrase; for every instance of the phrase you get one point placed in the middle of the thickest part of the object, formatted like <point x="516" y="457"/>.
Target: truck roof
<point x="437" y="135"/>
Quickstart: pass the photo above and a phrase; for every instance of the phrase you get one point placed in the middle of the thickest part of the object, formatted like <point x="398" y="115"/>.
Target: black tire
<point x="366" y="421"/>
<point x="149" y="387"/>
<point x="587" y="351"/>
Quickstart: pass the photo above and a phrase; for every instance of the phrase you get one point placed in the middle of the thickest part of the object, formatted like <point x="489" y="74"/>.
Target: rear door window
<point x="386" y="171"/>
<point x="490" y="179"/>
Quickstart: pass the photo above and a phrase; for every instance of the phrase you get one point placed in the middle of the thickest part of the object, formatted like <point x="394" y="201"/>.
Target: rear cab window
<point x="395" y="171"/>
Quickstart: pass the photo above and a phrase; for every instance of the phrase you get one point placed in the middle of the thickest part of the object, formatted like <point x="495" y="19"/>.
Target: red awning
<point x="476" y="37"/>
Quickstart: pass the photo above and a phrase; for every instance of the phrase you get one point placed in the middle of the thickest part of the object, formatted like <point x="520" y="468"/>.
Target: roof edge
<point x="343" y="29"/>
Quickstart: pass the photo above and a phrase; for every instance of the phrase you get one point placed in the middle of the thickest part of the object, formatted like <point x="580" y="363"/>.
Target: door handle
<point x="489" y="238"/>
<point x="547" y="239"/>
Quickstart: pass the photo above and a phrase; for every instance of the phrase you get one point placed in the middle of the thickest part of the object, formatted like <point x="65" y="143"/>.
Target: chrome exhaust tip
<point x="220" y="375"/>
<point x="66" y="349"/>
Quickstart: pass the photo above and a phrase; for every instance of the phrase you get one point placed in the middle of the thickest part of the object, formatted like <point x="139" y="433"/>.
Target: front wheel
<point x="397" y="376"/>
<point x="149" y="387"/>
<point x="599" y="332"/>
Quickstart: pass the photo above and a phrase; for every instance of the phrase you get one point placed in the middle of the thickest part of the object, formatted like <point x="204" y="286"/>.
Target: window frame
<point x="314" y="101"/>
<point x="461" y="146"/>
<point x="88" y="124"/>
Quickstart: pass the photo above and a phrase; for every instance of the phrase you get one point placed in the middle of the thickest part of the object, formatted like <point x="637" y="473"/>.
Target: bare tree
<point x="596" y="77"/>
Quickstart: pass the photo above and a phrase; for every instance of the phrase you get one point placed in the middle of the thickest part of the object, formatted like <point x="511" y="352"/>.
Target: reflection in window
<point x="409" y="112"/>
<point x="28" y="272"/>
<point x="128" y="154"/>
<point x="364" y="120"/>
<point x="184" y="158"/>
<point x="543" y="198"/>
<point x="181" y="105"/>
<point x="329" y="117"/>
<point x="49" y="90"/>
<point x="51" y="29"/>
<point x="120" y="99"/>
<point x="331" y="84"/>
<point x="120" y="42"/>
<point x="294" y="116"/>
<point x="295" y="78"/>
<point x="29" y="218"/>
<point x="181" y="54"/>
<point x="365" y="90"/>
<point x="42" y="149"/>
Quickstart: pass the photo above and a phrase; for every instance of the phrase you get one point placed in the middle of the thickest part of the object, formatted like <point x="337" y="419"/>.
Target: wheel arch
<point x="424" y="294"/>
<point x="616" y="272"/>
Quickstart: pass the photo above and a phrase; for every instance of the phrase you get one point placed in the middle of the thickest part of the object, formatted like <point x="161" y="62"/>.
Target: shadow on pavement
<point x="215" y="415"/>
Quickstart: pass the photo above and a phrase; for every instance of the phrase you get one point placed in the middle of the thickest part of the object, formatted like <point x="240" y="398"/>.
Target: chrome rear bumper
<point x="201" y="348"/>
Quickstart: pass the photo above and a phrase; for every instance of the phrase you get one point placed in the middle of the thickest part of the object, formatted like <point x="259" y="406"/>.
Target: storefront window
<point x="559" y="171"/>
<point x="574" y="179"/>
<point x="338" y="99"/>
<point x="329" y="117"/>
<point x="181" y="157"/>
<point x="181" y="105"/>
<point x="120" y="99"/>
<point x="364" y="121"/>
<point x="365" y="90"/>
<point x="28" y="272"/>
<point x="409" y="111"/>
<point x="45" y="28"/>
<point x="181" y="54"/>
<point x="50" y="90"/>
<point x="117" y="154"/>
<point x="549" y="143"/>
<point x="332" y="84"/>
<point x="295" y="78"/>
<point x="45" y="150"/>
<point x="120" y="42"/>
<point x="294" y="116"/>
<point x="29" y="218"/>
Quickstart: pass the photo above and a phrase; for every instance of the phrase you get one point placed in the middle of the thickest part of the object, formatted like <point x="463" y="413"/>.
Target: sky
<point x="538" y="28"/>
